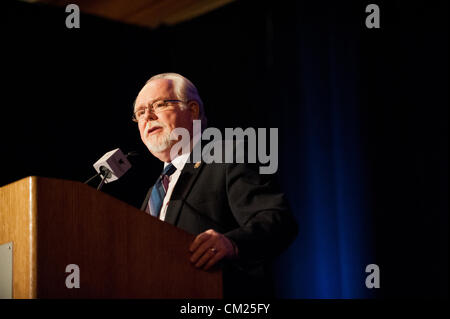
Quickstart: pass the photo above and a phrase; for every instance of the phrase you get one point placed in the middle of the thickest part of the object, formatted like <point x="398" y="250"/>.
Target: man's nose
<point x="150" y="115"/>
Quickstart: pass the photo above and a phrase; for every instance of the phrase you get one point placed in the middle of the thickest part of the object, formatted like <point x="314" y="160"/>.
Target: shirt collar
<point x="179" y="161"/>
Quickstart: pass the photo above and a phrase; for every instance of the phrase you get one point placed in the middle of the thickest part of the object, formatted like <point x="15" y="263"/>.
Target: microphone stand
<point x="105" y="172"/>
<point x="90" y="179"/>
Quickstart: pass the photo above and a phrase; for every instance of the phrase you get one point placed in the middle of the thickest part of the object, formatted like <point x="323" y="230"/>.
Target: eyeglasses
<point x="156" y="107"/>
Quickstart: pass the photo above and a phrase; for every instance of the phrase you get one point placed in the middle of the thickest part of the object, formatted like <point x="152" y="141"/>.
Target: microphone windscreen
<point x="116" y="162"/>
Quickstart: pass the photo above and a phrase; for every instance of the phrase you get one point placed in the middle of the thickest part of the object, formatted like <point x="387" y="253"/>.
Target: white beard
<point x="159" y="142"/>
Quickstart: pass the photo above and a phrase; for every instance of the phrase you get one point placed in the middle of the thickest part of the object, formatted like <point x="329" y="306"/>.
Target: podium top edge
<point x="34" y="178"/>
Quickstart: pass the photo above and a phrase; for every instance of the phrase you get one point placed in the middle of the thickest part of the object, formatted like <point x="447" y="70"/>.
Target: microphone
<point x="111" y="166"/>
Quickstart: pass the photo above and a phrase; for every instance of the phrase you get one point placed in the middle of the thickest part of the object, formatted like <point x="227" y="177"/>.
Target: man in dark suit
<point x="241" y="219"/>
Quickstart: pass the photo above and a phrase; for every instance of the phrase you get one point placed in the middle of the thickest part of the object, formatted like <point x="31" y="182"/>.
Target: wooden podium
<point x="120" y="251"/>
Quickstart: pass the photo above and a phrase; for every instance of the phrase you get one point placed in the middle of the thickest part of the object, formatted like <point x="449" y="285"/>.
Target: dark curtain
<point x="362" y="118"/>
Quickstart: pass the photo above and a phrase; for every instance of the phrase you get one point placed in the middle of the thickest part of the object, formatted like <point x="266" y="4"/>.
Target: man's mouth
<point x="154" y="129"/>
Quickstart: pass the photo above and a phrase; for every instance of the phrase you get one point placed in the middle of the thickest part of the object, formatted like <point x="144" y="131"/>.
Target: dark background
<point x="362" y="117"/>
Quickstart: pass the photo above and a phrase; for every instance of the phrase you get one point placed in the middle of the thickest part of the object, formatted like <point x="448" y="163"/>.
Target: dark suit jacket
<point x="248" y="208"/>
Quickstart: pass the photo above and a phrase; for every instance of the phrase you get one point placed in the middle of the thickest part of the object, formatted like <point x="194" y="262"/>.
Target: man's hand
<point x="209" y="247"/>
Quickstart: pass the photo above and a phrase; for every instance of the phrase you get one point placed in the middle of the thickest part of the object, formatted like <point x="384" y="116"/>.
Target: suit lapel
<point x="182" y="188"/>
<point x="147" y="198"/>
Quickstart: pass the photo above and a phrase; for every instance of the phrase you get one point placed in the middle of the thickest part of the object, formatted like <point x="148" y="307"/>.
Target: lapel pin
<point x="197" y="164"/>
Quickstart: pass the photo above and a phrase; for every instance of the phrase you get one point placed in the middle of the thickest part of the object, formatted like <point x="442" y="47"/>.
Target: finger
<point x="200" y="251"/>
<point x="205" y="257"/>
<point x="198" y="241"/>
<point x="214" y="260"/>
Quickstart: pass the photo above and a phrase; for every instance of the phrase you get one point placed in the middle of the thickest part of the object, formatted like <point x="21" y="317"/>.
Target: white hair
<point x="185" y="90"/>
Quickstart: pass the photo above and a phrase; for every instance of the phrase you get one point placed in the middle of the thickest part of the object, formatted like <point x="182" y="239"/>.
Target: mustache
<point x="151" y="126"/>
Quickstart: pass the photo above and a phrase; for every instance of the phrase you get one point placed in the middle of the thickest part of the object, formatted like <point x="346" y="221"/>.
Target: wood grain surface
<point x="121" y="251"/>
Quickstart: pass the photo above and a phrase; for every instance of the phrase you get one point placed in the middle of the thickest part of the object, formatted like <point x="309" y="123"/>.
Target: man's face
<point x="155" y="128"/>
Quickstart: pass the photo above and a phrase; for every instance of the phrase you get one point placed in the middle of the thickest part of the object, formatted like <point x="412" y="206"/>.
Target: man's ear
<point x="195" y="109"/>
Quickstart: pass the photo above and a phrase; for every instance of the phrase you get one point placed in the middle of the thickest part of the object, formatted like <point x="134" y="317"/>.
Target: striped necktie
<point x="159" y="190"/>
